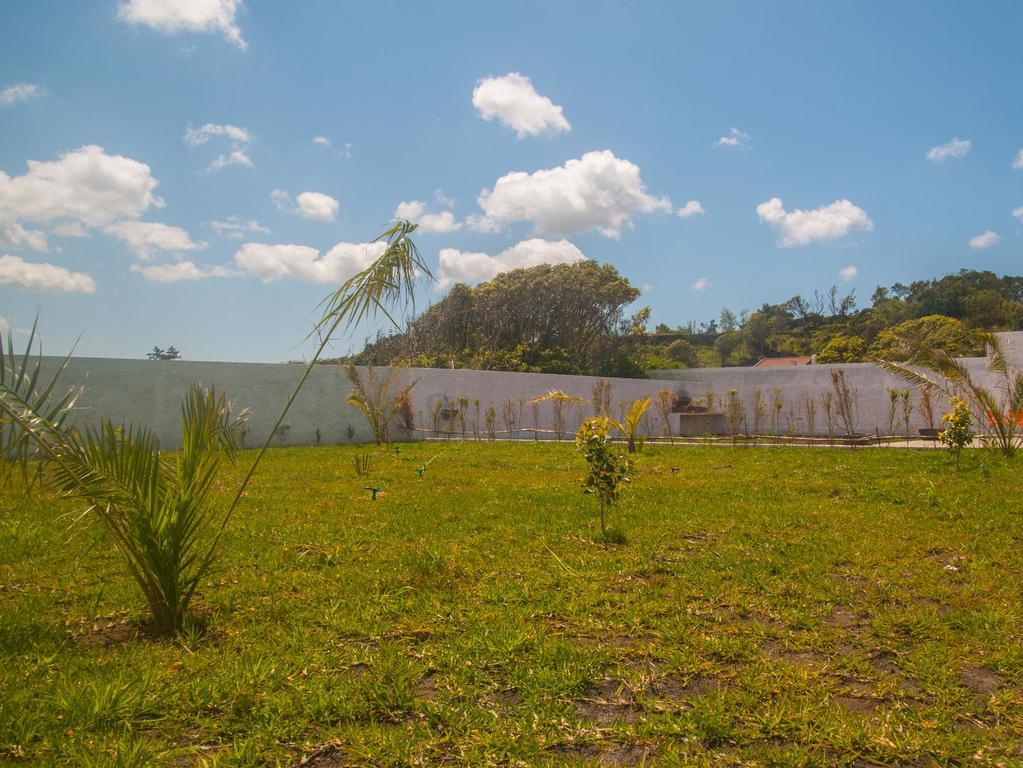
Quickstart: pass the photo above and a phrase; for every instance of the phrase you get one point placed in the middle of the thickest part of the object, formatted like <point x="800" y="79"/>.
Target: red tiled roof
<point x="781" y="362"/>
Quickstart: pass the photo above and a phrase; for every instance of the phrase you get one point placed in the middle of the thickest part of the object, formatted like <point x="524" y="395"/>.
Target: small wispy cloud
<point x="954" y="150"/>
<point x="691" y="208"/>
<point x="986" y="239"/>
<point x="701" y="284"/>
<point x="12" y="94"/>
<point x="734" y="138"/>
<point x="849" y="273"/>
<point x="326" y="143"/>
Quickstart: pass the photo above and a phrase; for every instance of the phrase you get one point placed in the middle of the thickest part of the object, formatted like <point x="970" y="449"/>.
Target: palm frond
<point x="382" y="287"/>
<point x="557" y="394"/>
<point x="21" y="377"/>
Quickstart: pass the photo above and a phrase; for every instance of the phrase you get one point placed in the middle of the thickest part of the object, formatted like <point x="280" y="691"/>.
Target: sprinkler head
<point x="674" y="470"/>
<point x="420" y="471"/>
<point x="373" y="491"/>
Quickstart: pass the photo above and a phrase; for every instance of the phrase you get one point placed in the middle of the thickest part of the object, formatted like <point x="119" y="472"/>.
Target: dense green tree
<point x="934" y="332"/>
<point x="843" y="349"/>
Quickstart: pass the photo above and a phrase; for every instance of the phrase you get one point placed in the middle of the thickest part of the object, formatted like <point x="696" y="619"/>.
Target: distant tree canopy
<point x="164" y="354"/>
<point x="570" y="318"/>
<point x="566" y="318"/>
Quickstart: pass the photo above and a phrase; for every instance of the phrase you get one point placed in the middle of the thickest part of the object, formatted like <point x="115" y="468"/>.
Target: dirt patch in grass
<point x="325" y="756"/>
<point x="981" y="680"/>
<point x="846" y="618"/>
<point x="678" y="688"/>
<point x="428" y="687"/>
<point x="628" y="754"/>
<point x="607" y="754"/>
<point x="857" y="704"/>
<point x="804" y="658"/>
<point x="606" y="701"/>
<point x="505" y="697"/>
<point x="111" y="633"/>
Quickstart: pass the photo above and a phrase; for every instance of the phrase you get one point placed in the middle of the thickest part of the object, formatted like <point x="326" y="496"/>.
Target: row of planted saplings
<point x="834" y="413"/>
<point x="387" y="407"/>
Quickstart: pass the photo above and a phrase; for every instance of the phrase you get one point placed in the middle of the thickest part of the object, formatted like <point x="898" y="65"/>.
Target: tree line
<point x="572" y="318"/>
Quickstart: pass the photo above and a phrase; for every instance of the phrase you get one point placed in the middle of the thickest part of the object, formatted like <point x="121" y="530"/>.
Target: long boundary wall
<point x="150" y="392"/>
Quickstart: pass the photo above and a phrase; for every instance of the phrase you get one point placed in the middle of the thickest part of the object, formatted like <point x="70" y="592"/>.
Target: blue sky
<point x="212" y="219"/>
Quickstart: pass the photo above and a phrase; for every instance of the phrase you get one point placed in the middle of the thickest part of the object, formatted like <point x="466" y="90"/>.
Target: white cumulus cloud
<point x="734" y="138"/>
<point x="179" y="271"/>
<point x="1018" y="212"/>
<point x="512" y="99"/>
<point x="955" y="149"/>
<point x="475" y="267"/>
<point x="301" y="262"/>
<point x="829" y="222"/>
<point x="597" y="191"/>
<point x="985" y="240"/>
<point x="143" y="237"/>
<point x="171" y="16"/>
<point x="415" y="211"/>
<point x="1017" y="162"/>
<point x="701" y="284"/>
<point x="17" y="236"/>
<point x="12" y="94"/>
<point x="86" y="185"/>
<point x="314" y="206"/>
<point x="31" y="276"/>
<point x="849" y="273"/>
<point x="691" y="208"/>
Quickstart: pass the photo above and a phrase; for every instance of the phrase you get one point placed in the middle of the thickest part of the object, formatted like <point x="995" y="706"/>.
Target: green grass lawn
<point x="782" y="606"/>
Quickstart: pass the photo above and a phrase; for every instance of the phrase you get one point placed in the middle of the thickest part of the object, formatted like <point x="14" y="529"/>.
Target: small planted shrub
<point x="558" y="400"/>
<point x="601" y="400"/>
<point x="958" y="428"/>
<point x="906" y="402"/>
<point x="633" y="417"/>
<point x="508" y="416"/>
<point x="846" y="401"/>
<point x="810" y="414"/>
<point x="828" y="406"/>
<point x="735" y="413"/>
<point x="927" y="406"/>
<point x="665" y="403"/>
<point x="372" y="397"/>
<point x="777" y="406"/>
<point x="281" y="433"/>
<point x="759" y="412"/>
<point x="608" y="467"/>
<point x="363" y="463"/>
<point x="405" y="412"/>
<point x="491" y="416"/>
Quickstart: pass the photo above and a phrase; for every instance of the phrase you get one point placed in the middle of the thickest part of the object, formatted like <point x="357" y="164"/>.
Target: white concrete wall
<point x="149" y="392"/>
<point x="798" y="383"/>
